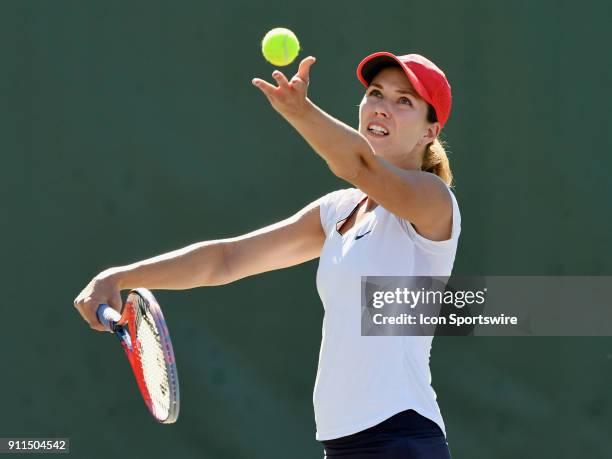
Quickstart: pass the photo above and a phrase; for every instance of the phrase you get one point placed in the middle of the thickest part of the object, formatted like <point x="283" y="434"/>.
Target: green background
<point x="131" y="128"/>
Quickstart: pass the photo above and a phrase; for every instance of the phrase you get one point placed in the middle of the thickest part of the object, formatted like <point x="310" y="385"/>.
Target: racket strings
<point x="153" y="362"/>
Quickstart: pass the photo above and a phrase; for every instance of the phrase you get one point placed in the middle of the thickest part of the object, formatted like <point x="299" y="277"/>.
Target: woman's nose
<point x="380" y="109"/>
<point x="381" y="113"/>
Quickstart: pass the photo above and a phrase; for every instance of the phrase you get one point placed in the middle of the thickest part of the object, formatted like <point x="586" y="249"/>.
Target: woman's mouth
<point x="377" y="130"/>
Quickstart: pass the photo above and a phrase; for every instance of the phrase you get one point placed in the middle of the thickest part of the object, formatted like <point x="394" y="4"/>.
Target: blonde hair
<point x="436" y="161"/>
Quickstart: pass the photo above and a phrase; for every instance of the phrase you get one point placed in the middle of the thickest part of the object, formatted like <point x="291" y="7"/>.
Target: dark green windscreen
<point x="130" y="128"/>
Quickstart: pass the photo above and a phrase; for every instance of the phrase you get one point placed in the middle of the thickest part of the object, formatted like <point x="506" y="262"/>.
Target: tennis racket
<point x="142" y="332"/>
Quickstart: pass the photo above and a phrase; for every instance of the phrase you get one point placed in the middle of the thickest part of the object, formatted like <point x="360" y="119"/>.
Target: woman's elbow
<point x="351" y="171"/>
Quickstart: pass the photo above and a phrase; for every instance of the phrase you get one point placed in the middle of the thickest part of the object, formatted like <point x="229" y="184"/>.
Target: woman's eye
<point x="405" y="100"/>
<point x="375" y="92"/>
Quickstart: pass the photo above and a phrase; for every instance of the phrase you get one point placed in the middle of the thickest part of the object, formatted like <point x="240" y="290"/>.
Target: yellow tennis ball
<point x="280" y="46"/>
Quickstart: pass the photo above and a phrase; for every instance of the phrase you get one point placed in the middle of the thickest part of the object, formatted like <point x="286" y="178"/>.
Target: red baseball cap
<point x="426" y="78"/>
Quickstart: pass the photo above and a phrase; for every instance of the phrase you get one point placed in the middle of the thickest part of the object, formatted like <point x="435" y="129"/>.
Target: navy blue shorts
<point x="407" y="435"/>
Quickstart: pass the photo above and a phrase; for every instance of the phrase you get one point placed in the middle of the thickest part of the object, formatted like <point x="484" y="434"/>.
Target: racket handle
<point x="107" y="316"/>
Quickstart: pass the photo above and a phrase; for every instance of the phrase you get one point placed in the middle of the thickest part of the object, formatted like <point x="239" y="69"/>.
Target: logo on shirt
<point x="362" y="235"/>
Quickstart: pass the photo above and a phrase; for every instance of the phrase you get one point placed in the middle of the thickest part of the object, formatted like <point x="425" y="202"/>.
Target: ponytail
<point x="435" y="159"/>
<point x="436" y="162"/>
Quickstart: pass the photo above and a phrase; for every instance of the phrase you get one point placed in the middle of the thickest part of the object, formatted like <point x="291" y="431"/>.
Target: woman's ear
<point x="431" y="132"/>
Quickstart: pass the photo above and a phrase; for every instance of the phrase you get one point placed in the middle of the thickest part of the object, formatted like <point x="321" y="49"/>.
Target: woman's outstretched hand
<point x="102" y="289"/>
<point x="289" y="97"/>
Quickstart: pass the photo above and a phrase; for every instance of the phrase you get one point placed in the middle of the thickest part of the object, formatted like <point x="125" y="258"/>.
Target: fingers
<point x="116" y="303"/>
<point x="289" y="97"/>
<point x="304" y="68"/>
<point x="266" y="88"/>
<point x="98" y="326"/>
<point x="303" y="74"/>
<point x="88" y="313"/>
<point x="269" y="89"/>
<point x="100" y="290"/>
<point x="281" y="79"/>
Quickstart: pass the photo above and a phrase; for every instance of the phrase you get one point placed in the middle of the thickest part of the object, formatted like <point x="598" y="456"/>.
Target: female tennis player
<point x="372" y="396"/>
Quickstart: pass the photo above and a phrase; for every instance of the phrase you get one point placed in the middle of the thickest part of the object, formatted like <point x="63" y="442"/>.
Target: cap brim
<point x="374" y="63"/>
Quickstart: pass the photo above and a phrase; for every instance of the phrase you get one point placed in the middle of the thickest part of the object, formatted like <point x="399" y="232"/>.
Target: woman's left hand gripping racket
<point x="143" y="334"/>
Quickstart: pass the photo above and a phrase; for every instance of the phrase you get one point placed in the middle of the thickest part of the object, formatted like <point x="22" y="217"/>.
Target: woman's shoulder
<point x="340" y="197"/>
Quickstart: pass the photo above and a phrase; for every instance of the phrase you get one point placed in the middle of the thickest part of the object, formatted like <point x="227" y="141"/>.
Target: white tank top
<point x="363" y="380"/>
